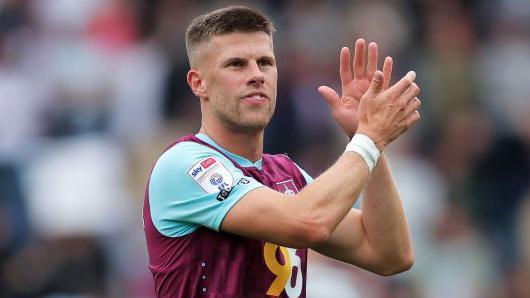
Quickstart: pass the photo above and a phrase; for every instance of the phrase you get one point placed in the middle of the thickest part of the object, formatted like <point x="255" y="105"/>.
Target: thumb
<point x="377" y="83"/>
<point x="331" y="96"/>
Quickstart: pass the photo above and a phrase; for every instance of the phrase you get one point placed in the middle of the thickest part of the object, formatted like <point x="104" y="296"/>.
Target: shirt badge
<point x="211" y="175"/>
<point x="287" y="187"/>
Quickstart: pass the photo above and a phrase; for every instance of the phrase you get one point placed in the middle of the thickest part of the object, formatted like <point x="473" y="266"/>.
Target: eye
<point x="264" y="62"/>
<point x="236" y="63"/>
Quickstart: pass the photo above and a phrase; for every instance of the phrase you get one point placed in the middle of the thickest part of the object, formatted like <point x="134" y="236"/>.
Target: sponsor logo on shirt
<point x="208" y="162"/>
<point x="196" y="171"/>
<point x="212" y="176"/>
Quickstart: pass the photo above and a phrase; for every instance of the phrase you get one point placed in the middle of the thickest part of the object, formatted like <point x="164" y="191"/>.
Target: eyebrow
<point x="234" y="59"/>
<point x="267" y="57"/>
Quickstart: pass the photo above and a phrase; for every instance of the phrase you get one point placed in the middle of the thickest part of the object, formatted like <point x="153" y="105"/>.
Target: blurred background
<point x="92" y="90"/>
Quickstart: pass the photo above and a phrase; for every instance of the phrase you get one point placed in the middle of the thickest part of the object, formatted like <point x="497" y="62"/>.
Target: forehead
<point x="241" y="45"/>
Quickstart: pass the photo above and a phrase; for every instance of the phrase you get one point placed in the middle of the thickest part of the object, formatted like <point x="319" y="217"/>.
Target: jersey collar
<point x="239" y="159"/>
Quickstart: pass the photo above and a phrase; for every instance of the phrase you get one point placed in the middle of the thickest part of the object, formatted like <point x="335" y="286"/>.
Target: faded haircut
<point x="223" y="21"/>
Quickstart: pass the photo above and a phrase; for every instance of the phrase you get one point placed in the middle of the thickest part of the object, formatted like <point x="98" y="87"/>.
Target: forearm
<point x="383" y="216"/>
<point x="331" y="196"/>
<point x="307" y="219"/>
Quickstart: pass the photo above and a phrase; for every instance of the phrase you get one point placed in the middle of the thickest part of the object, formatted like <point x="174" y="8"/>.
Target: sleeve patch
<point x="211" y="175"/>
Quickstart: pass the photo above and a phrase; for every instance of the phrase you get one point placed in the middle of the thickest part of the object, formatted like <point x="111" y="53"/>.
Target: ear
<point x="196" y="83"/>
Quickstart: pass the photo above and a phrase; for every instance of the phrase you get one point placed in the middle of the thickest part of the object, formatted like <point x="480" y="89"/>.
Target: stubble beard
<point x="235" y="118"/>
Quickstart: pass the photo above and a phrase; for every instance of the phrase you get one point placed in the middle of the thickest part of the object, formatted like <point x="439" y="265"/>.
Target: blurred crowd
<point x="91" y="91"/>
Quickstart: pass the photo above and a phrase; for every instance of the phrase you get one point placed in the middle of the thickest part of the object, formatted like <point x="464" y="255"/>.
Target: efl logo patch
<point x="287" y="187"/>
<point x="211" y="175"/>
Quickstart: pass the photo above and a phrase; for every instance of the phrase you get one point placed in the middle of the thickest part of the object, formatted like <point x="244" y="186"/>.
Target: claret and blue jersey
<point x="192" y="187"/>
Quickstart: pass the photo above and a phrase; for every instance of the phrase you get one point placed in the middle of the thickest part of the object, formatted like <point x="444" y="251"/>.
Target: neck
<point x="248" y="144"/>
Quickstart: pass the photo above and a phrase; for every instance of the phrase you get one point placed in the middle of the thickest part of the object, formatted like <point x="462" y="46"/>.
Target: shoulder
<point x="188" y="165"/>
<point x="180" y="158"/>
<point x="193" y="185"/>
<point x="183" y="152"/>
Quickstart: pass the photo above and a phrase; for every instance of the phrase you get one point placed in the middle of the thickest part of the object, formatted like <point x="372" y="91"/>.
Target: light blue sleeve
<point x="192" y="186"/>
<point x="307" y="177"/>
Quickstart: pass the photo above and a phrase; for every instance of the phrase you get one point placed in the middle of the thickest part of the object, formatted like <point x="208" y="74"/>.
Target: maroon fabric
<point x="207" y="263"/>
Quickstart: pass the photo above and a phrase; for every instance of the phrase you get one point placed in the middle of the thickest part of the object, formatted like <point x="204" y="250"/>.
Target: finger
<point x="387" y="72"/>
<point x="330" y="95"/>
<point x="412" y="119"/>
<point x="403" y="84"/>
<point x="376" y="84"/>
<point x="410" y="93"/>
<point x="345" y="68"/>
<point x="413" y="105"/>
<point x="371" y="67"/>
<point x="358" y="59"/>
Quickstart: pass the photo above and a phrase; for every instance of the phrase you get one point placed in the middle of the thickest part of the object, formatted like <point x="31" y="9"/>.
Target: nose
<point x="256" y="76"/>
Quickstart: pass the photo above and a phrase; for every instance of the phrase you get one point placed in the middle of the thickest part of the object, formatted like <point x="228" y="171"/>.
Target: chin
<point x="247" y="122"/>
<point x="251" y="125"/>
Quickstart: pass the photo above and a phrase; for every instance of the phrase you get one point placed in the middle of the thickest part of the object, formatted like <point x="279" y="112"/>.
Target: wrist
<point x="379" y="143"/>
<point x="366" y="148"/>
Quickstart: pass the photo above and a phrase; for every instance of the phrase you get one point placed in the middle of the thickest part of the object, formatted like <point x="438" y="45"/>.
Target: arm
<point x="385" y="220"/>
<point x="307" y="219"/>
<point x="310" y="218"/>
<point x="376" y="237"/>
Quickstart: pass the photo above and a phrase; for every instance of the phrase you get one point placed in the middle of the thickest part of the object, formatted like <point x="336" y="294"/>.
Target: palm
<point x="356" y="89"/>
<point x="346" y="113"/>
<point x="354" y="85"/>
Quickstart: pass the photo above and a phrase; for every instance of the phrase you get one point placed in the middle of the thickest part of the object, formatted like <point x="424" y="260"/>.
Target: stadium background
<point x="91" y="90"/>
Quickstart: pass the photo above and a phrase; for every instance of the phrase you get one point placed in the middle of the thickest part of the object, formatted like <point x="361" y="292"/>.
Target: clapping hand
<point x="354" y="84"/>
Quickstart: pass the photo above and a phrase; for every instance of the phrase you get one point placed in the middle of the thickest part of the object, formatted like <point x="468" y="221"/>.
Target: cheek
<point x="273" y="77"/>
<point x="226" y="83"/>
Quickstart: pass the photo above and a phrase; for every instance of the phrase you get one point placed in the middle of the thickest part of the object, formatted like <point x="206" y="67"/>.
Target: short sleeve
<point x="192" y="186"/>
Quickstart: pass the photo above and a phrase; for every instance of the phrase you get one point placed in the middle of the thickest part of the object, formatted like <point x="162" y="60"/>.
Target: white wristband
<point x="366" y="148"/>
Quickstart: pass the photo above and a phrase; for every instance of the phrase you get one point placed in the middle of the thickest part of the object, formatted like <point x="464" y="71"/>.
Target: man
<point x="222" y="219"/>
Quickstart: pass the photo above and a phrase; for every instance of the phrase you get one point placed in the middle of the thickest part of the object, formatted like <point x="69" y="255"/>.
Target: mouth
<point x="255" y="97"/>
